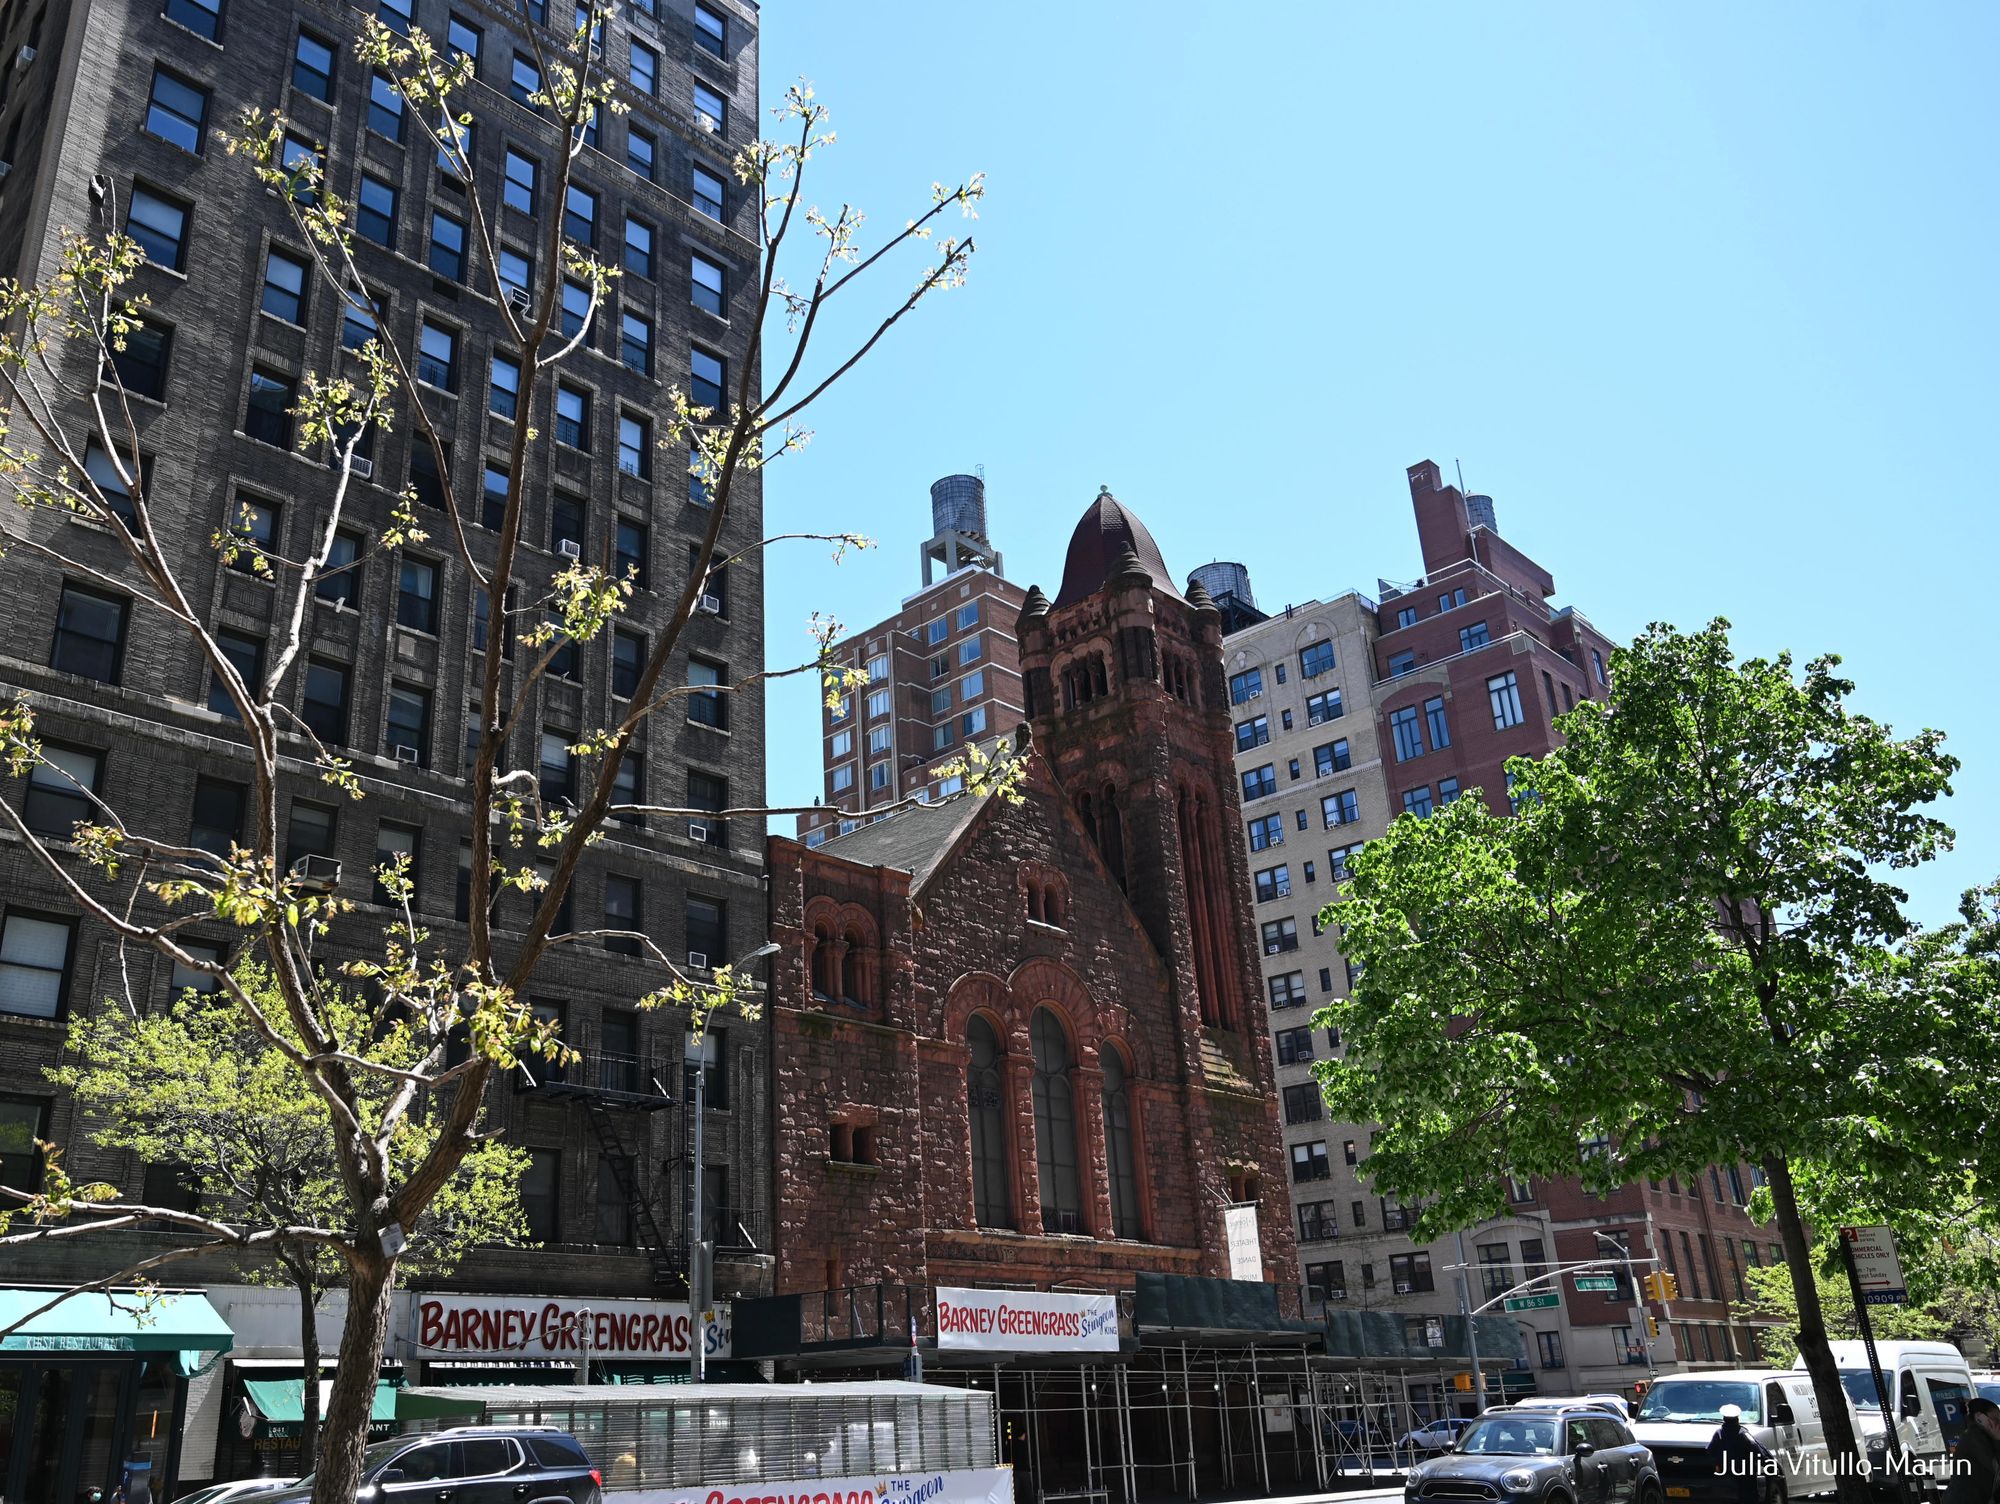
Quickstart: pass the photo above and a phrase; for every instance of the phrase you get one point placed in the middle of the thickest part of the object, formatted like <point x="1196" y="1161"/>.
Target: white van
<point x="1681" y="1411"/>
<point x="1929" y="1384"/>
<point x="1617" y="1404"/>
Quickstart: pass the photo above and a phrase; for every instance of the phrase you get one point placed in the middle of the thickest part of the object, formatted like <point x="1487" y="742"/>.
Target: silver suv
<point x="1567" y="1455"/>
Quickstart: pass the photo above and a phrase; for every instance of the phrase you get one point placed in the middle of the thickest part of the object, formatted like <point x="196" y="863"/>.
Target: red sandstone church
<point x="1022" y="1044"/>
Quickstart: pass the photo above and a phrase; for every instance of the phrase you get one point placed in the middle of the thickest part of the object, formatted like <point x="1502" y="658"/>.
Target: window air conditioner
<point x="517" y="298"/>
<point x="1403" y="1289"/>
<point x="1340" y="1294"/>
<point x="1255" y="694"/>
<point x="711" y="604"/>
<point x="361" y="469"/>
<point x="318" y="874"/>
<point x="23" y="58"/>
<point x="1284" y="890"/>
<point x="569" y="548"/>
<point x="697" y="831"/>
<point x="698" y="960"/>
<point x="406" y="754"/>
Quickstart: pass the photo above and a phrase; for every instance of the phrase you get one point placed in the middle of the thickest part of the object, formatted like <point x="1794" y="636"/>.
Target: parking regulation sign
<point x="1876" y="1268"/>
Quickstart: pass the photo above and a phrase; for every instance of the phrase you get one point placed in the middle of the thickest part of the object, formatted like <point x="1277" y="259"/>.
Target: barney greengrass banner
<point x="1025" y="1321"/>
<point x="983" y="1485"/>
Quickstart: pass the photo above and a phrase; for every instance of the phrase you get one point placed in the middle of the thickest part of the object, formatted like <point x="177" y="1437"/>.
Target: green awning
<point x="137" y="1321"/>
<point x="283" y="1401"/>
<point x="434" y="1407"/>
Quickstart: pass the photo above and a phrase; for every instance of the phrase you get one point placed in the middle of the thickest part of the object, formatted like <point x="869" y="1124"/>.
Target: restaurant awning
<point x="281" y="1402"/>
<point x="125" y="1321"/>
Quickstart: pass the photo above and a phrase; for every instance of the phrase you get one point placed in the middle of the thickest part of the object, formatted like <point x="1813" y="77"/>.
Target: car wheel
<point x="1555" y="1496"/>
<point x="1649" y="1493"/>
<point x="1774" y="1492"/>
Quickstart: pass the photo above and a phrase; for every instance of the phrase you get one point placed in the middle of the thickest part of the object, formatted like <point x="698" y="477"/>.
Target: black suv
<point x="1567" y="1455"/>
<point x="471" y="1465"/>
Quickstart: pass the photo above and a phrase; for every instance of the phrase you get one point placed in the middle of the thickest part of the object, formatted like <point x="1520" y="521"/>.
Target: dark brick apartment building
<point x="111" y="115"/>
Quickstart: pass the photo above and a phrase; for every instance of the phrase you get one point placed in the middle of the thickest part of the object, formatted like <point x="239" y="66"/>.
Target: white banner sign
<point x="1026" y="1321"/>
<point x="1246" y="1253"/>
<point x="986" y="1485"/>
<point x="520" y="1326"/>
<point x="1876" y="1266"/>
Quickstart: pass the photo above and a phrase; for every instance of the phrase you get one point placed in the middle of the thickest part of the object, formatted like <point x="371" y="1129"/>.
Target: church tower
<point x="1126" y="701"/>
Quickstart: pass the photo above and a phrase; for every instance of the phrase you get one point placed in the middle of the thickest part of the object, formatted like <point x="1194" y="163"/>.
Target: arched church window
<point x="991" y="1204"/>
<point x="1055" y="1125"/>
<point x="1119" y="1156"/>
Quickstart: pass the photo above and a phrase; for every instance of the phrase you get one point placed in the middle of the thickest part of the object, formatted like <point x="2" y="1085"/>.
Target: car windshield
<point x="1511" y="1436"/>
<point x="1860" y="1386"/>
<point x="1698" y="1400"/>
<point x="1988" y="1391"/>
<point x="371" y="1459"/>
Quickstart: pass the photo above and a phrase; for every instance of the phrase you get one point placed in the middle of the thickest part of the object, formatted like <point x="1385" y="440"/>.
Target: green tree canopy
<point x="1685" y="949"/>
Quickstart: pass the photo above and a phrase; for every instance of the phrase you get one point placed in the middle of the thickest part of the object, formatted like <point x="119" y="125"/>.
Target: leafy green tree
<point x="196" y="1087"/>
<point x="62" y="394"/>
<point x="1685" y="949"/>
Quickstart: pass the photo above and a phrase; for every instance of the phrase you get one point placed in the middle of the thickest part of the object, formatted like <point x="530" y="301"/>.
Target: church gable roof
<point x="914" y="840"/>
<point x="1106" y="531"/>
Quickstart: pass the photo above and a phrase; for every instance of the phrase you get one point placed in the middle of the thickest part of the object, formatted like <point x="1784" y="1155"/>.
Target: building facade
<point x="943" y="671"/>
<point x="1351" y="712"/>
<point x="112" y="116"/>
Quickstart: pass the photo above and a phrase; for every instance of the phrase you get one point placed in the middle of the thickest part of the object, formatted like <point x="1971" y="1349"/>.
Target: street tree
<point x="1685" y="949"/>
<point x="63" y="394"/>
<point x="197" y="1088"/>
<point x="1953" y="1297"/>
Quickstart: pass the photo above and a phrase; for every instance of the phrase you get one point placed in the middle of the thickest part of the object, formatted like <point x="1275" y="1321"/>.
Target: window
<point x="635" y="343"/>
<point x="642" y="72"/>
<point x="843" y="778"/>
<point x="991" y="1202"/>
<point x="311" y="832"/>
<point x="573" y="417"/>
<point x="324" y="706"/>
<point x="580" y="215"/>
<point x="1317" y="1222"/>
<point x="447" y="248"/>
<point x="517" y="186"/>
<point x="1342" y="808"/>
<point x="711" y="110"/>
<point x="34" y="965"/>
<point x="642" y="152"/>
<point x="706" y="375"/>
<point x="628" y="661"/>
<point x="141" y="367"/>
<point x="245" y="654"/>
<point x="707" y="192"/>
<point x="357" y="322"/>
<point x="217" y="821"/>
<point x="1434" y="721"/>
<point x="1411" y="1272"/>
<point x="524" y="80"/>
<point x="1474" y="636"/>
<point x="1259" y="782"/>
<point x="503" y="387"/>
<point x="565" y="522"/>
<point x="635" y="446"/>
<point x="622" y="912"/>
<point x="540" y="1197"/>
<point x="160" y="226"/>
<point x="1324" y="707"/>
<point x="254" y="525"/>
<point x="1597" y="666"/>
<point x="1315" y="658"/>
<point x="416" y="595"/>
<point x="1280" y="935"/>
<point x="706" y="930"/>
<point x="708" y="706"/>
<point x="204" y="19"/>
<point x="176" y="110"/>
<point x="1309" y="1161"/>
<point x="395" y="14"/>
<point x="1417" y="801"/>
<point x="1401" y="663"/>
<point x="1503" y="695"/>
<point x="969" y="651"/>
<point x="1267" y="831"/>
<point x="90" y="634"/>
<point x="878" y="740"/>
<point x="630" y="549"/>
<point x="437" y="359"/>
<point x="1295" y="1047"/>
<point x="1447" y="791"/>
<point x="393" y="842"/>
<point x="1409" y="735"/>
<point x="385" y="108"/>
<point x="301" y="159"/>
<point x="578" y="307"/>
<point x="1333" y="757"/>
<point x="462" y="41"/>
<point x="59" y="789"/>
<point x="557" y="774"/>
<point x="284" y="286"/>
<point x="1406" y="616"/>
<point x="1055" y="1125"/>
<point x="1274" y="882"/>
<point x="409" y="724"/>
<point x="1326" y="1281"/>
<point x="638" y="247"/>
<point x="312" y="66"/>
<point x="1326" y="979"/>
<point x="1252" y="733"/>
<point x="1289" y="990"/>
<point x="1451" y="599"/>
<point x="1303" y="1104"/>
<point x="375" y="210"/>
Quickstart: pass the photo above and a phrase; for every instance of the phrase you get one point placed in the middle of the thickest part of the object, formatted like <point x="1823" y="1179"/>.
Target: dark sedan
<point x="1566" y="1456"/>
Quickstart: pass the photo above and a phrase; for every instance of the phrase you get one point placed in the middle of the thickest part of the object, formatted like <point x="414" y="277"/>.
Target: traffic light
<point x="1662" y="1286"/>
<point x="1652" y="1325"/>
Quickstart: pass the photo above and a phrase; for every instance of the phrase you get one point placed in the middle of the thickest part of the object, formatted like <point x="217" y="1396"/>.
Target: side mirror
<point x="1781" y="1415"/>
<point x="1911" y="1406"/>
<point x="1583" y="1449"/>
<point x="389" y="1475"/>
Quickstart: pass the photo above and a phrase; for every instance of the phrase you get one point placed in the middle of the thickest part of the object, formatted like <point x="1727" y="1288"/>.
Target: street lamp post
<point x="1471" y="1328"/>
<point x="700" y="1252"/>
<point x="1624" y="1251"/>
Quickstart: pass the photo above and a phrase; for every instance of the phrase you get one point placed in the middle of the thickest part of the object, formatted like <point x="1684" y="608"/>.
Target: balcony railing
<point x="630" y="1080"/>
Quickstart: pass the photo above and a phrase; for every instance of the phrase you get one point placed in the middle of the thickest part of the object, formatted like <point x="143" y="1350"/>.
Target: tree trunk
<point x="309" y="1365"/>
<point x="1843" y="1447"/>
<point x="343" y="1439"/>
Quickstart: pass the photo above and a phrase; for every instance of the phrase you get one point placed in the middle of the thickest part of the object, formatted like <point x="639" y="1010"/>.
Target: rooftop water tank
<point x="1479" y="512"/>
<point x="958" y="505"/>
<point x="1224" y="578"/>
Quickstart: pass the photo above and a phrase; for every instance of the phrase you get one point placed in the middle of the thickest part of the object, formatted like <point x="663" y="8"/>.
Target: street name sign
<point x="1540" y="1302"/>
<point x="1605" y="1282"/>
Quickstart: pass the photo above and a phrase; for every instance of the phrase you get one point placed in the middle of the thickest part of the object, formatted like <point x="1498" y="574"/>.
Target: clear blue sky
<point x="1703" y="296"/>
